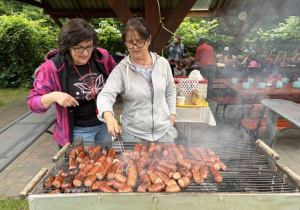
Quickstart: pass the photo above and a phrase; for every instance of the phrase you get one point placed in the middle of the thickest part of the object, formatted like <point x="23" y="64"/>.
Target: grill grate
<point x="247" y="170"/>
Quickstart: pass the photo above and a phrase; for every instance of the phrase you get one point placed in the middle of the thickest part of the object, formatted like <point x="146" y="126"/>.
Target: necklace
<point x="92" y="88"/>
<point x="142" y="64"/>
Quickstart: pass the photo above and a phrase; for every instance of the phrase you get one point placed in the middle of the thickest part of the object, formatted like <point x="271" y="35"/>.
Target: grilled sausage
<point x="58" y="180"/>
<point x="195" y="153"/>
<point x="56" y="191"/>
<point x="158" y="187"/>
<point x="145" y="179"/>
<point x="158" y="147"/>
<point x="111" y="154"/>
<point x="48" y="181"/>
<point x="72" y="154"/>
<point x="144" y="152"/>
<point x="111" y="182"/>
<point x="132" y="176"/>
<point x="172" y="166"/>
<point x="173" y="188"/>
<point x="184" y="164"/>
<point x="94" y="170"/>
<point x="140" y="169"/>
<point x="155" y="178"/>
<point x="118" y="185"/>
<point x="223" y="166"/>
<point x="84" y="171"/>
<point x="214" y="165"/>
<point x="216" y="175"/>
<point x="170" y="182"/>
<point x="78" y="149"/>
<point x="184" y="182"/>
<point x="195" y="167"/>
<point x="197" y="177"/>
<point x="112" y="170"/>
<point x="151" y="167"/>
<point x="84" y="162"/>
<point x="67" y="182"/>
<point x="120" y="177"/>
<point x="80" y="156"/>
<point x="165" y="169"/>
<point x="162" y="175"/>
<point x="105" y="150"/>
<point x="143" y="187"/>
<point x="151" y="147"/>
<point x="126" y="188"/>
<point x="137" y="151"/>
<point x="96" y="184"/>
<point x="103" y="170"/>
<point x="176" y="175"/>
<point x="89" y="181"/>
<point x="105" y="188"/>
<point x="204" y="172"/>
<point x="72" y="164"/>
<point x="78" y="180"/>
<point x="100" y="160"/>
<point x="185" y="172"/>
<point x="178" y="153"/>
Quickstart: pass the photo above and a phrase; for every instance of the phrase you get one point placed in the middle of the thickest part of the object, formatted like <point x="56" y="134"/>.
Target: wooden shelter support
<point x="240" y="34"/>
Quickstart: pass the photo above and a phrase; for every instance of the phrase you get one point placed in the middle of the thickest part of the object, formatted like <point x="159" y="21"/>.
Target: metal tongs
<point x="125" y="164"/>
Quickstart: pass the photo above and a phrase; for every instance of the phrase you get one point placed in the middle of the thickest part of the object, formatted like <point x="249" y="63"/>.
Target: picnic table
<point x="277" y="107"/>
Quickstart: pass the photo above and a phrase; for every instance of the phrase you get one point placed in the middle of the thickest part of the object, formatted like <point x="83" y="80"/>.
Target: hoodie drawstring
<point x="127" y="74"/>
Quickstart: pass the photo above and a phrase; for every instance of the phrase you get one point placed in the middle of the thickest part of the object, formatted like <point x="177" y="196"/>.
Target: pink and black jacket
<point x="51" y="76"/>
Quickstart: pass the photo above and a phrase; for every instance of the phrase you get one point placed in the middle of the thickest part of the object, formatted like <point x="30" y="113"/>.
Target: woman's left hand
<point x="172" y="116"/>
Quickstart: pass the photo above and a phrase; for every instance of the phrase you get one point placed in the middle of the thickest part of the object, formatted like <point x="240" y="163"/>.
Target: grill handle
<point x="35" y="180"/>
<point x="61" y="152"/>
<point x="267" y="149"/>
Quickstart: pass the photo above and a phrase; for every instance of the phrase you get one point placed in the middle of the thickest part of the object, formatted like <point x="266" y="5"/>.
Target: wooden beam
<point x="204" y="13"/>
<point x="56" y="20"/>
<point x="152" y="19"/>
<point x="120" y="9"/>
<point x="227" y="22"/>
<point x="172" y="24"/>
<point x="32" y="2"/>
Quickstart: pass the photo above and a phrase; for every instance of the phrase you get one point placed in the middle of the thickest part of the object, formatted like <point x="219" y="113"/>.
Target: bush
<point x="23" y="45"/>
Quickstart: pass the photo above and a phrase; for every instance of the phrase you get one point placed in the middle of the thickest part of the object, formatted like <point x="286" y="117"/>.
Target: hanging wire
<point x="162" y="24"/>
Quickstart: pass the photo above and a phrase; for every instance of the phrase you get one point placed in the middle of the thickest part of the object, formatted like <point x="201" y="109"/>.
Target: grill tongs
<point x="125" y="164"/>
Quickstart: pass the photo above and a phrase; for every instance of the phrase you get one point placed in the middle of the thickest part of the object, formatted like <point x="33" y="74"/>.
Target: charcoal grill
<point x="253" y="180"/>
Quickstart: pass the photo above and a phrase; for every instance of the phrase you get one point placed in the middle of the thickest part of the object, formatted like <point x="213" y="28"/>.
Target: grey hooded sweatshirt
<point x="143" y="116"/>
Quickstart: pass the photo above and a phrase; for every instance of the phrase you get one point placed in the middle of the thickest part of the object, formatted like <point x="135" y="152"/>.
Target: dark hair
<point x="138" y="24"/>
<point x="201" y="41"/>
<point x="181" y="64"/>
<point x="71" y="34"/>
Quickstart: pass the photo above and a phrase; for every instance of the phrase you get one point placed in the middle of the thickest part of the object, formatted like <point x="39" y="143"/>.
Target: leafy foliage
<point x="23" y="44"/>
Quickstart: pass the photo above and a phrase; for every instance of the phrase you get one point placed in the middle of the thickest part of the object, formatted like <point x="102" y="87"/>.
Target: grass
<point x="13" y="204"/>
<point x="10" y="96"/>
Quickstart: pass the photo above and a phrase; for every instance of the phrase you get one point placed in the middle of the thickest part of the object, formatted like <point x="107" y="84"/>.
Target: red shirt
<point x="205" y="55"/>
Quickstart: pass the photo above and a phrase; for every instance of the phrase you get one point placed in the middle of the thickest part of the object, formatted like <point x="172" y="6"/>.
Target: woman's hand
<point x="172" y="116"/>
<point x="63" y="99"/>
<point x="112" y="124"/>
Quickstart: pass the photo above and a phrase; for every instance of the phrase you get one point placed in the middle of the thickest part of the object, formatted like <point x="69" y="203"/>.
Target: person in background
<point x="253" y="61"/>
<point x="280" y="61"/>
<point x="295" y="59"/>
<point x="145" y="83"/>
<point x="220" y="60"/>
<point x="227" y="55"/>
<point x="176" y="51"/>
<point x="71" y="78"/>
<point x="263" y="59"/>
<point x="180" y="68"/>
<point x="191" y="63"/>
<point x="246" y="53"/>
<point x="205" y="59"/>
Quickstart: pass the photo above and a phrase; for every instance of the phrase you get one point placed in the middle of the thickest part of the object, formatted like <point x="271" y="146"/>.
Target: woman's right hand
<point x="112" y="124"/>
<point x="63" y="99"/>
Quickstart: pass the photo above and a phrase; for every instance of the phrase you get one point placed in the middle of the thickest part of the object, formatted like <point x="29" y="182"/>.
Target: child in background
<point x="180" y="67"/>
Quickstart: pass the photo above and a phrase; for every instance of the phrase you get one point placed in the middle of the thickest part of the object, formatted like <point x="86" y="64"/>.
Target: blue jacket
<point x="176" y="49"/>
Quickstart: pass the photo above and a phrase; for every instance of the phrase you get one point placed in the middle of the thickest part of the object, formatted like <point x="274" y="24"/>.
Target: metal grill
<point x="247" y="169"/>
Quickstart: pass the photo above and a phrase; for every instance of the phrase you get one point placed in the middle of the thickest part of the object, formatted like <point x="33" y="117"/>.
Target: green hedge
<point x="23" y="45"/>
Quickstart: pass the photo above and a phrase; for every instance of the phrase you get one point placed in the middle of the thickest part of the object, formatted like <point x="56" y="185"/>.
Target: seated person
<point x="180" y="68"/>
<point x="220" y="60"/>
<point x="191" y="63"/>
<point x="295" y="59"/>
<point x="253" y="61"/>
<point x="280" y="61"/>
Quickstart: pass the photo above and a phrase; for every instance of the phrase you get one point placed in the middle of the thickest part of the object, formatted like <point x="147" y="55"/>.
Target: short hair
<point x="138" y="24"/>
<point x="201" y="41"/>
<point x="73" y="33"/>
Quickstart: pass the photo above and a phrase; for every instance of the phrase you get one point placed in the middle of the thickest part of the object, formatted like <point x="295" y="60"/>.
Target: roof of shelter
<point x="202" y="8"/>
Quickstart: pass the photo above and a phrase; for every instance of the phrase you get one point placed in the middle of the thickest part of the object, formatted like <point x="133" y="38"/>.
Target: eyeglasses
<point x="82" y="49"/>
<point x="130" y="45"/>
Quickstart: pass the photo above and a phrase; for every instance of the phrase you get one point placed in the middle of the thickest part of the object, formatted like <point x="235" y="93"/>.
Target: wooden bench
<point x="251" y="124"/>
<point x="19" y="135"/>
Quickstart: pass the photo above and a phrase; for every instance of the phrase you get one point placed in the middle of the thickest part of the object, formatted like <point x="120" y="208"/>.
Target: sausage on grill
<point x="158" y="187"/>
<point x="48" y="181"/>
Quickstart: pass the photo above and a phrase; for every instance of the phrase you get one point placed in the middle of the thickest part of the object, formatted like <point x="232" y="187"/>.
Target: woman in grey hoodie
<point x="144" y="81"/>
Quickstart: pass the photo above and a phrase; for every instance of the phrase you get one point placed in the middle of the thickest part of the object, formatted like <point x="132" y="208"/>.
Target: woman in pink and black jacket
<point x="71" y="78"/>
